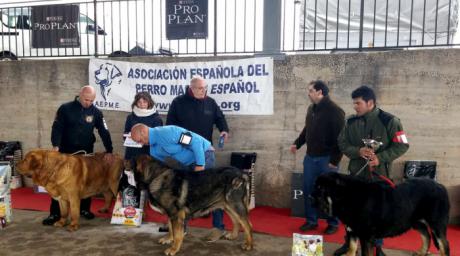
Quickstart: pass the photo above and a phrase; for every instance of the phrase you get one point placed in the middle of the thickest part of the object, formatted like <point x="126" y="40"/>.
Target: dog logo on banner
<point x="105" y="76"/>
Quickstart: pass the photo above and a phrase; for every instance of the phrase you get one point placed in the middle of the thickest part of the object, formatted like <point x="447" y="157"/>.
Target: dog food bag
<point x="5" y="196"/>
<point x="128" y="214"/>
<point x="307" y="245"/>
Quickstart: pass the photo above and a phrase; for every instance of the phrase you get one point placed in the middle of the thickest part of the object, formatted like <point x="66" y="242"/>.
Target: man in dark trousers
<point x="323" y="124"/>
<point x="72" y="132"/>
<point x="370" y="122"/>
<point x="197" y="112"/>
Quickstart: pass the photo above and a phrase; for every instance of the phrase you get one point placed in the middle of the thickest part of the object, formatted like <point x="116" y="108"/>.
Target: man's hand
<point x="293" y="149"/>
<point x="199" y="168"/>
<point x="55" y="149"/>
<point x="374" y="161"/>
<point x="331" y="166"/>
<point x="225" y="134"/>
<point x="366" y="153"/>
<point x="108" y="158"/>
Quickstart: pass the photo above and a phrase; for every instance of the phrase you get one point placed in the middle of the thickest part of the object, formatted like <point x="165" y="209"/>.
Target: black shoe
<point x="87" y="215"/>
<point x="308" y="226"/>
<point x="379" y="251"/>
<point x="342" y="250"/>
<point x="50" y="220"/>
<point x="331" y="230"/>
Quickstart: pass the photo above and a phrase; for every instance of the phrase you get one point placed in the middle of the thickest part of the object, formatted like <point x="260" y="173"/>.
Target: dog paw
<point x="73" y="227"/>
<point x="247" y="246"/>
<point x="231" y="236"/>
<point x="165" y="240"/>
<point x="171" y="251"/>
<point x="60" y="223"/>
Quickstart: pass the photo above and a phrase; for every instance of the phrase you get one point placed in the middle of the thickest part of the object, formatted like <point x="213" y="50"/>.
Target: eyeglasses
<point x="204" y="88"/>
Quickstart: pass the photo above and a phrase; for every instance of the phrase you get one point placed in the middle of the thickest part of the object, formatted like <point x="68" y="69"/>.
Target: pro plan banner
<point x="240" y="87"/>
<point x="186" y="19"/>
<point x="55" y="26"/>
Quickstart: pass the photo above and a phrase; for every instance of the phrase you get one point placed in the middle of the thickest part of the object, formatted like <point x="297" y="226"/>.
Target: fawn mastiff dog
<point x="69" y="178"/>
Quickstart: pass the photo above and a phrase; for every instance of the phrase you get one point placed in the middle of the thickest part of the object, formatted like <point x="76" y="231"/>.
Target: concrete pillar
<point x="272" y="29"/>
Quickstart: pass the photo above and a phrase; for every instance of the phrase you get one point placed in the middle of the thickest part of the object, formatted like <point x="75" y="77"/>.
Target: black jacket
<point x="323" y="124"/>
<point x="73" y="128"/>
<point x="196" y="115"/>
<point x="153" y="120"/>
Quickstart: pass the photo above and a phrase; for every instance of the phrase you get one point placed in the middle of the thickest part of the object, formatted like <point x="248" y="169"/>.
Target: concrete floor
<point x="27" y="236"/>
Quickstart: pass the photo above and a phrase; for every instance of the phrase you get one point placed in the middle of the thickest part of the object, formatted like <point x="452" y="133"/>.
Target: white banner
<point x="240" y="87"/>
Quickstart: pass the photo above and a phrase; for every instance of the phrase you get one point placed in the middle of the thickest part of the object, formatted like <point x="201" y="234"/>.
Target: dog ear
<point x="36" y="160"/>
<point x="139" y="163"/>
<point x="142" y="162"/>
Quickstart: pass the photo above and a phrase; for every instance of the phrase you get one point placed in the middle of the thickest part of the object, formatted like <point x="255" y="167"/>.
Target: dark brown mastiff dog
<point x="69" y="178"/>
<point x="183" y="194"/>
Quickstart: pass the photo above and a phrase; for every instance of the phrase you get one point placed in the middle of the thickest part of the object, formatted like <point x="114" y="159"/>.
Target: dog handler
<point x="173" y="143"/>
<point x="324" y="121"/>
<point x="72" y="131"/>
<point x="370" y="122"/>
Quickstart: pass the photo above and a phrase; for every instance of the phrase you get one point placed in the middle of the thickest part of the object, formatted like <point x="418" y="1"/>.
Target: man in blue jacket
<point x="186" y="147"/>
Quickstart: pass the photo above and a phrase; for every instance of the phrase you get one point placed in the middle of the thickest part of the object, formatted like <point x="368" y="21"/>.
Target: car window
<point x="85" y="19"/>
<point x="16" y="20"/>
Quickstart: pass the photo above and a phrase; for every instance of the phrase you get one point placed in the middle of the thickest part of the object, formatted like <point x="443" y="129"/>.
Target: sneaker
<point x="308" y="226"/>
<point x="87" y="214"/>
<point x="215" y="235"/>
<point x="50" y="220"/>
<point x="331" y="230"/>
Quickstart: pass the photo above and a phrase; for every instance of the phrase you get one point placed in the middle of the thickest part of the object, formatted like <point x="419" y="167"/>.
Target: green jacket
<point x="378" y="125"/>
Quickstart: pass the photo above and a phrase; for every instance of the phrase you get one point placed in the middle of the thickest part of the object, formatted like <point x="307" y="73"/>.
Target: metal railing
<point x="371" y="24"/>
<point x="137" y="27"/>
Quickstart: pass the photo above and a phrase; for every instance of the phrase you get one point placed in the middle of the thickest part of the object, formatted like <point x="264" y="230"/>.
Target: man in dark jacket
<point x="323" y="124"/>
<point x="370" y="122"/>
<point x="197" y="112"/>
<point x="72" y="132"/>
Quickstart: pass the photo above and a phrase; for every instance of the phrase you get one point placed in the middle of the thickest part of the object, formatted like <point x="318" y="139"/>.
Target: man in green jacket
<point x="370" y="122"/>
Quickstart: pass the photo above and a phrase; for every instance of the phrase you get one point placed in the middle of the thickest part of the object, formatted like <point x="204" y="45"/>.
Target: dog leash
<point x="79" y="152"/>
<point x="362" y="168"/>
<point x="387" y="180"/>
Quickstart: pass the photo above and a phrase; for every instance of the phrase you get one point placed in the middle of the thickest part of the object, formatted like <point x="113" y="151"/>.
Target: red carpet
<point x="269" y="220"/>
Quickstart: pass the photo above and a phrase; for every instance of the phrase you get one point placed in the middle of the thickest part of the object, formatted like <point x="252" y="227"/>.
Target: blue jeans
<point x="217" y="215"/>
<point x="209" y="159"/>
<point x="312" y="168"/>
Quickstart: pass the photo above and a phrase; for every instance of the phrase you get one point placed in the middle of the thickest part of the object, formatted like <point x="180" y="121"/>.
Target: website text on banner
<point x="240" y="87"/>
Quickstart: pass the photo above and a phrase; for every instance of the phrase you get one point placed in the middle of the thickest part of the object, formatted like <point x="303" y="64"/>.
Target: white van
<point x="16" y="35"/>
